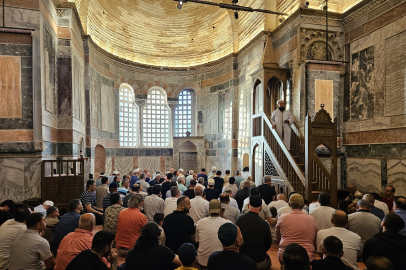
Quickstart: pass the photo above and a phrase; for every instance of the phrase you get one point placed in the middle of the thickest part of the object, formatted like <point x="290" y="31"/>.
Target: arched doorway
<point x="274" y="92"/>
<point x="258" y="165"/>
<point x="100" y="160"/>
<point x="188" y="156"/>
<point x="245" y="162"/>
<point x="258" y="99"/>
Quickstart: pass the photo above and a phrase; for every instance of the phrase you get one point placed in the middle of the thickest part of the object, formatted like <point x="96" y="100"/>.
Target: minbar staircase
<point x="300" y="167"/>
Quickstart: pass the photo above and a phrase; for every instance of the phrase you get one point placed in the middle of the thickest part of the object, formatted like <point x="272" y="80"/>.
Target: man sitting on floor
<point x="112" y="212"/>
<point x="295" y="257"/>
<point x="52" y="221"/>
<point x="333" y="250"/>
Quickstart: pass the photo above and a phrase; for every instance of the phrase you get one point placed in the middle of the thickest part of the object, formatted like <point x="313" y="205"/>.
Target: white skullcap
<point x="277" y="103"/>
<point x="115" y="172"/>
<point x="50" y="203"/>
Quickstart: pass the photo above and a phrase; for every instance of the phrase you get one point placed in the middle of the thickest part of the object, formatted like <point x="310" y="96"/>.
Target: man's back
<point x="206" y="235"/>
<point x="238" y="180"/>
<point x="402" y="214"/>
<point x="86" y="260"/>
<point x="330" y="263"/>
<point x="377" y="212"/>
<point x="170" y="205"/>
<point x="67" y="224"/>
<point x="230" y="213"/>
<point x="212" y="194"/>
<point x="178" y="228"/>
<point x="9" y="231"/>
<point x="219" y="183"/>
<point x="230" y="260"/>
<point x="129" y="225"/>
<point x="389" y="245"/>
<point x="233" y="189"/>
<point x="74" y="243"/>
<point x="364" y="224"/>
<point x="257" y="236"/>
<point x="202" y="175"/>
<point x="165" y="187"/>
<point x="291" y="232"/>
<point x="199" y="209"/>
<point x="190" y="193"/>
<point x="352" y="245"/>
<point x="267" y="193"/>
<point x="322" y="215"/>
<point x="153" y="204"/>
<point x="101" y="192"/>
<point x="241" y="195"/>
<point x="28" y="251"/>
<point x="278" y="204"/>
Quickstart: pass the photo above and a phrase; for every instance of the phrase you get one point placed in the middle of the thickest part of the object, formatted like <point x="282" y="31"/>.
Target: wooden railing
<point x="321" y="176"/>
<point x="288" y="165"/>
<point x="297" y="143"/>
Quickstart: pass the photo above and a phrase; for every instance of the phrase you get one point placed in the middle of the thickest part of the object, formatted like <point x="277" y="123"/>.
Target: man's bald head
<point x="199" y="191"/>
<point x="339" y="218"/>
<point x="87" y="222"/>
<point x="281" y="197"/>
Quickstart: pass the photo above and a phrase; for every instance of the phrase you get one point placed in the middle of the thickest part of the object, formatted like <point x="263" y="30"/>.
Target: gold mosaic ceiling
<point x="155" y="32"/>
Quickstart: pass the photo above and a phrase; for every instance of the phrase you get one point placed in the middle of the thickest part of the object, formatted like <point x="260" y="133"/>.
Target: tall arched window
<point x="288" y="94"/>
<point x="128" y="118"/>
<point x="156" y="119"/>
<point x="183" y="114"/>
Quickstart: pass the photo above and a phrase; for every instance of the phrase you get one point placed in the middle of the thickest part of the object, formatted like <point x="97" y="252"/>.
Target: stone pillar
<point x="234" y="129"/>
<point x="140" y="103"/>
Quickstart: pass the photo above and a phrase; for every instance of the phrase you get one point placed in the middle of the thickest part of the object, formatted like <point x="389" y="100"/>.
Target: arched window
<point x="156" y="119"/>
<point x="288" y="94"/>
<point x="128" y="118"/>
<point x="183" y="114"/>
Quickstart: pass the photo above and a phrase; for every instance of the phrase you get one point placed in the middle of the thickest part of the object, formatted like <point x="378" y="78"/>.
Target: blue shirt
<point x="402" y="214"/>
<point x="133" y="180"/>
<point x="202" y="175"/>
<point x="67" y="224"/>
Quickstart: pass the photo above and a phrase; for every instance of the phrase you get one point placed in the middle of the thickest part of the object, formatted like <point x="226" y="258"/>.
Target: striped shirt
<point x="86" y="198"/>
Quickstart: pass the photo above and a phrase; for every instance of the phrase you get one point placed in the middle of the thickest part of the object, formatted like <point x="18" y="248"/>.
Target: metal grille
<point x="269" y="167"/>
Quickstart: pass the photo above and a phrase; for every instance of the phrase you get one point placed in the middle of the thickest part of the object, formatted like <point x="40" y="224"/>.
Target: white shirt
<point x="234" y="204"/>
<point x="9" y="231"/>
<point x="170" y="205"/>
<point x="286" y="209"/>
<point x="323" y="215"/>
<point x="144" y="185"/>
<point x="278" y="204"/>
<point x="198" y="184"/>
<point x="313" y="206"/>
<point x="199" y="209"/>
<point x="206" y="235"/>
<point x="40" y="209"/>
<point x="233" y="189"/>
<point x="352" y="245"/>
<point x="382" y="205"/>
<point x="246" y="202"/>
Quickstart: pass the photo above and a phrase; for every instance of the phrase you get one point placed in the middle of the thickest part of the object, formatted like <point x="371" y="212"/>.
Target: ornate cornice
<point x="360" y="10"/>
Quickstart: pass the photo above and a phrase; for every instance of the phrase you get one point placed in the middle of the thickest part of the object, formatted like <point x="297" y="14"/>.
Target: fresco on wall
<point x="362" y="89"/>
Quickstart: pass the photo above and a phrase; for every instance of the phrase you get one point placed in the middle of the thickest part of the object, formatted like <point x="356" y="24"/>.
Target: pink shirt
<point x="297" y="227"/>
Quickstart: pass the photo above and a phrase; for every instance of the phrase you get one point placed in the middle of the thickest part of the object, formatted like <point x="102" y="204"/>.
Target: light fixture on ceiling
<point x="232" y="6"/>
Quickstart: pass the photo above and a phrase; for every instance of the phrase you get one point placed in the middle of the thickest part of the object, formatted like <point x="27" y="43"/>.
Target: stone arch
<point x="100" y="160"/>
<point x="245" y="161"/>
<point x="274" y="92"/>
<point x="256" y="100"/>
<point x="257" y="164"/>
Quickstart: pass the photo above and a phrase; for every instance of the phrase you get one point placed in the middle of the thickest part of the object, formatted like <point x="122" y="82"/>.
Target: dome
<point x="155" y="32"/>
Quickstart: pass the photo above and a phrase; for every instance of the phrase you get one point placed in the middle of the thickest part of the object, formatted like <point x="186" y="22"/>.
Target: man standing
<point x="181" y="184"/>
<point x="219" y="182"/>
<point x="257" y="234"/>
<point x="389" y="197"/>
<point x="188" y="178"/>
<point x="390" y="243"/>
<point x="111" y="177"/>
<point x="211" y="191"/>
<point x="175" y="236"/>
<point x="229" y="258"/>
<point x="171" y="202"/>
<point x="400" y="210"/>
<point x="242" y="194"/>
<point x="213" y="172"/>
<point x="191" y="191"/>
<point x="238" y="178"/>
<point x="281" y="120"/>
<point x="202" y="174"/>
<point x="199" y="206"/>
<point x="352" y="245"/>
<point x="154" y="204"/>
<point x="206" y="232"/>
<point x="231" y="186"/>
<point x="30" y="250"/>
<point x="101" y="192"/>
<point x="166" y="185"/>
<point x="266" y="190"/>
<point x="363" y="222"/>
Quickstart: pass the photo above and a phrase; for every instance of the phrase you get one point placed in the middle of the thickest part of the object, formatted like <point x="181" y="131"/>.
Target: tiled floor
<point x="272" y="252"/>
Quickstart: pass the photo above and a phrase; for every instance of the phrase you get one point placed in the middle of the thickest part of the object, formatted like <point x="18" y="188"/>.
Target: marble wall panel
<point x="10" y="86"/>
<point x="149" y="163"/>
<point x="32" y="178"/>
<point x="49" y="70"/>
<point x="365" y="173"/>
<point x="221" y="164"/>
<point x="362" y="91"/>
<point x="107" y="108"/>
<point x="78" y="90"/>
<point x="109" y="166"/>
<point x="397" y="175"/>
<point x="123" y="164"/>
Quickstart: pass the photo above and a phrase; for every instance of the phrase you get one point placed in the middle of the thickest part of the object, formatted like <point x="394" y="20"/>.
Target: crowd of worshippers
<point x="200" y="221"/>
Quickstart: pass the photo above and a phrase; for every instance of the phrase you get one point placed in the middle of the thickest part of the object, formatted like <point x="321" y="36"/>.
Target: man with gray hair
<point x="281" y="120"/>
<point x="129" y="224"/>
<point x="181" y="183"/>
<point x="199" y="206"/>
<point x="188" y="178"/>
<point x="134" y="177"/>
<point x="143" y="183"/>
<point x="170" y="203"/>
<point x="213" y="172"/>
<point x="200" y="182"/>
<point x="363" y="222"/>
<point x="374" y="210"/>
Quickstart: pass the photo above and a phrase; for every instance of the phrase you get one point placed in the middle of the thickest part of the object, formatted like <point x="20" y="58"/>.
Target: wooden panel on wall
<point x="324" y="95"/>
<point x="10" y="87"/>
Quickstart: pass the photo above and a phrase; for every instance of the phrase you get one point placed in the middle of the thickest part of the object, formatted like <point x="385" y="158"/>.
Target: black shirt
<point x="178" y="228"/>
<point x="266" y="192"/>
<point x="202" y="175"/>
<point x="241" y="195"/>
<point x="190" y="193"/>
<point x="230" y="260"/>
<point x="86" y="260"/>
<point x="165" y="187"/>
<point x="330" y="263"/>
<point x="218" y="183"/>
<point x="257" y="236"/>
<point x="155" y="258"/>
<point x="212" y="194"/>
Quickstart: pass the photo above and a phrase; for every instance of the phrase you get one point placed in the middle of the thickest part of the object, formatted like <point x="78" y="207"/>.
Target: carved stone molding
<point x="309" y="37"/>
<point x="362" y="11"/>
<point x="322" y="131"/>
